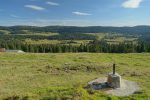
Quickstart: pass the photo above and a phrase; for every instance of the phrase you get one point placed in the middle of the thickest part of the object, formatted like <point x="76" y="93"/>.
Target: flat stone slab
<point x="127" y="87"/>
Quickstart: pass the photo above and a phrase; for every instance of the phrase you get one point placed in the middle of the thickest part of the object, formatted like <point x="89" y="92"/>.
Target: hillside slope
<point x="142" y="30"/>
<point x="64" y="75"/>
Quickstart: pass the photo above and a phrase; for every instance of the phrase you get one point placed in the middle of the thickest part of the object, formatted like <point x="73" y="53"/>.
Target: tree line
<point x="94" y="47"/>
<point x="64" y="36"/>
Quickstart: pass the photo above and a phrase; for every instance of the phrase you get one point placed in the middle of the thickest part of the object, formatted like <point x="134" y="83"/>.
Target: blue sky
<point x="75" y="12"/>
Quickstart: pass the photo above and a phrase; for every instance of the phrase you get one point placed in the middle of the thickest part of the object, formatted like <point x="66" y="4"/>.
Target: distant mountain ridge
<point x="142" y="29"/>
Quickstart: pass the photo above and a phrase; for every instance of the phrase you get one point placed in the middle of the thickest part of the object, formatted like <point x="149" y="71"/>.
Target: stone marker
<point x="113" y="84"/>
<point x="114" y="79"/>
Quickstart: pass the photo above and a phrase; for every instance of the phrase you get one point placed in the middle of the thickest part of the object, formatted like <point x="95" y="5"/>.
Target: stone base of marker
<point x="114" y="80"/>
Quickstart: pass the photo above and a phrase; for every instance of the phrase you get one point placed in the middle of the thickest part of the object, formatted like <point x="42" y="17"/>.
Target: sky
<point x="75" y="12"/>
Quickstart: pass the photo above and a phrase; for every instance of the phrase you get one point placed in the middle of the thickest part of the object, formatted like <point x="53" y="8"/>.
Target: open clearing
<point x="64" y="75"/>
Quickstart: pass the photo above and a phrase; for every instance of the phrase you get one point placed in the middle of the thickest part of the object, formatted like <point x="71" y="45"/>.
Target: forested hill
<point x="142" y="30"/>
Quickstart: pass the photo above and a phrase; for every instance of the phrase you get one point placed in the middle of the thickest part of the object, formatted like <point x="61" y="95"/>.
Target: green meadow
<point x="64" y="76"/>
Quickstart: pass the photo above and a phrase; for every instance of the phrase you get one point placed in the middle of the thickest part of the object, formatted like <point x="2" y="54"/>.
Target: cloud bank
<point x="34" y="7"/>
<point x="132" y="3"/>
<point x="48" y="22"/>
<point x="81" y="13"/>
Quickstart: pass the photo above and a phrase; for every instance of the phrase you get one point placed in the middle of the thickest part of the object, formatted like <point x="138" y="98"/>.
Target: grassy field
<point x="64" y="75"/>
<point x="63" y="42"/>
<point x="109" y="38"/>
<point x="39" y="33"/>
<point x="4" y="32"/>
<point x="114" y="38"/>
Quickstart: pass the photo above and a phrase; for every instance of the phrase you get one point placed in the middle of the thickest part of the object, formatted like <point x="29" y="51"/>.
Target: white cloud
<point x="52" y="3"/>
<point x="81" y="13"/>
<point x="34" y="7"/>
<point x="132" y="3"/>
<point x="14" y="16"/>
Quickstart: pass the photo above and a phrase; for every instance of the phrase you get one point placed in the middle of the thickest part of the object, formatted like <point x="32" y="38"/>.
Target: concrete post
<point x="114" y="79"/>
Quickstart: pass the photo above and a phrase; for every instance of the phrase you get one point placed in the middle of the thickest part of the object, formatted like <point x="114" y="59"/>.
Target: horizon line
<point x="73" y="25"/>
